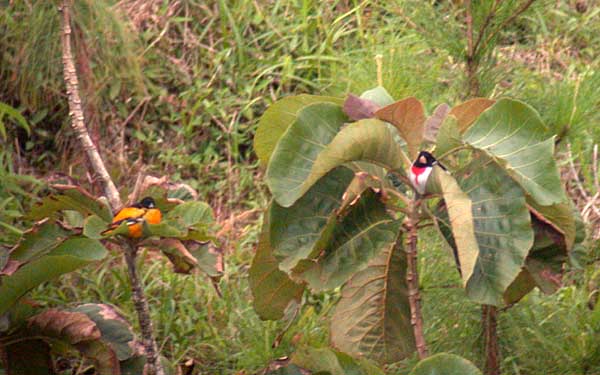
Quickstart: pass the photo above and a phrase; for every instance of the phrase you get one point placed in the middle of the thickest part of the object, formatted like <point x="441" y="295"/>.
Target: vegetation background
<point x="176" y="88"/>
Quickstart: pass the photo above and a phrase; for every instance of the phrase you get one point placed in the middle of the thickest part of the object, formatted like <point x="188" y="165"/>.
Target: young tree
<point x="344" y="212"/>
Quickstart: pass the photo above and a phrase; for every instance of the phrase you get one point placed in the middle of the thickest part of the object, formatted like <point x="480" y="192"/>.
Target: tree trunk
<point x="489" y="318"/>
<point x="412" y="278"/>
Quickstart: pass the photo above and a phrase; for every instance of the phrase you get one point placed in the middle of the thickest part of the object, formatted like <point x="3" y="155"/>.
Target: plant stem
<point x="489" y="317"/>
<point x="76" y="111"/>
<point x="153" y="364"/>
<point x="412" y="278"/>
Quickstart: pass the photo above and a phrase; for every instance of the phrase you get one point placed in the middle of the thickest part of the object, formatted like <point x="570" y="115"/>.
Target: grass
<point x="201" y="73"/>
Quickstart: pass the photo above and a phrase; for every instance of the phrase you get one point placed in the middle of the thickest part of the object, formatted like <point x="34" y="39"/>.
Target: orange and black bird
<point x="135" y="216"/>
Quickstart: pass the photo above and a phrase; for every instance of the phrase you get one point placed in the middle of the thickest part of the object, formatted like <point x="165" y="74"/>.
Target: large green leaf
<point x="278" y="117"/>
<point x="502" y="228"/>
<point x="297" y="232"/>
<point x="70" y="198"/>
<point x="273" y="290"/>
<point x="292" y="160"/>
<point x="445" y="364"/>
<point x="328" y="361"/>
<point x="367" y="140"/>
<point x="191" y="213"/>
<point x="38" y="240"/>
<point x="501" y="224"/>
<point x="372" y="318"/>
<point x="366" y="230"/>
<point x="514" y="132"/>
<point x="68" y="256"/>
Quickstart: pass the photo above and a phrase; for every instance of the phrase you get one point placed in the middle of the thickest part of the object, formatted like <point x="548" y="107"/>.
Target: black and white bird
<point x="421" y="170"/>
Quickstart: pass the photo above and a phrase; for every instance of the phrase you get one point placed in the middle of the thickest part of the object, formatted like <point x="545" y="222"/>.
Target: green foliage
<point x="496" y="165"/>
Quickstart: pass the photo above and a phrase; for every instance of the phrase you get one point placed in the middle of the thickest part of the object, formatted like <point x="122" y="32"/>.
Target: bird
<point x="421" y="170"/>
<point x="135" y="216"/>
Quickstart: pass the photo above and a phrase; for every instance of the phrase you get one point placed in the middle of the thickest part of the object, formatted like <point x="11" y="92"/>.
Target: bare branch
<point x="76" y="111"/>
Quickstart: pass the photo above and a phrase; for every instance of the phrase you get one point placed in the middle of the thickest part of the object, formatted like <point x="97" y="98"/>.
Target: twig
<point x="469" y="21"/>
<point x="141" y="307"/>
<point x="503" y="25"/>
<point x="486" y="23"/>
<point x="76" y="112"/>
<point x="412" y="278"/>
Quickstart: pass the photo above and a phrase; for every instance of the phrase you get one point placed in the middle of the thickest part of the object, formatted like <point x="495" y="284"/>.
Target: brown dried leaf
<point x="467" y="112"/>
<point x="408" y="116"/>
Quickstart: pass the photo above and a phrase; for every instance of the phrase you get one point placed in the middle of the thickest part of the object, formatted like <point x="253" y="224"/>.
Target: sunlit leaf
<point x="369" y="141"/>
<point x="278" y="117"/>
<point x="372" y="317"/>
<point x="460" y="213"/>
<point x="378" y="95"/>
<point x="513" y="132"/>
<point x="292" y="160"/>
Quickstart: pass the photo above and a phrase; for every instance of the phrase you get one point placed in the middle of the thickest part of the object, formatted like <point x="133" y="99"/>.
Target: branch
<point x="516" y="14"/>
<point x="469" y="21"/>
<point x="141" y="307"/>
<point x="412" y="278"/>
<point x="486" y="23"/>
<point x="76" y="112"/>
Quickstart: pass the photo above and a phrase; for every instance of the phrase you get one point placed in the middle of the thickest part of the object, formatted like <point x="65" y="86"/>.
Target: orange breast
<point x="153" y="216"/>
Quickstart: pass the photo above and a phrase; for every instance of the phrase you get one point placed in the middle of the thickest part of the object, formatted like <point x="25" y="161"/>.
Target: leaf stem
<point x="153" y="364"/>
<point x="412" y="277"/>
